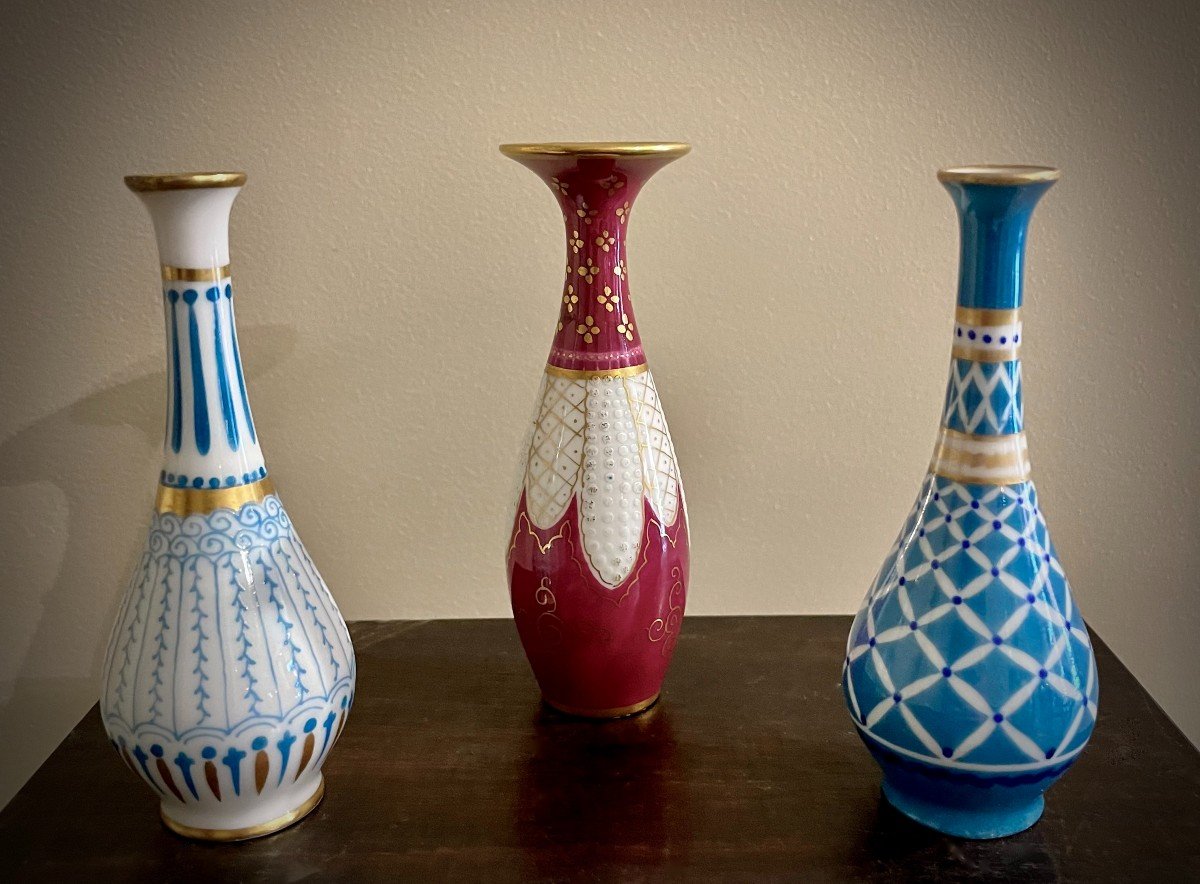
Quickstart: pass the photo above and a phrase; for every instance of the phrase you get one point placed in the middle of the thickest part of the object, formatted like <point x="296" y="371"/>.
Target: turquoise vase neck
<point x="993" y="212"/>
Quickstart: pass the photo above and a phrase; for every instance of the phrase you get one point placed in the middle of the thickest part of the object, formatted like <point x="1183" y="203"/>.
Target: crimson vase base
<point x="603" y="714"/>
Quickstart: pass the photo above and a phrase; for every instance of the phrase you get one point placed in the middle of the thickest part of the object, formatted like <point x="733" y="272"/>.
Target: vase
<point x="598" y="558"/>
<point x="969" y="672"/>
<point x="229" y="673"/>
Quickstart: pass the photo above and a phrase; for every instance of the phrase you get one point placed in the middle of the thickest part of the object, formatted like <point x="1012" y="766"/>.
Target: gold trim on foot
<point x="245" y="834"/>
<point x="615" y="712"/>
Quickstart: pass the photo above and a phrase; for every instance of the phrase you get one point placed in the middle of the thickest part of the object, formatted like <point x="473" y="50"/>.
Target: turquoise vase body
<point x="969" y="671"/>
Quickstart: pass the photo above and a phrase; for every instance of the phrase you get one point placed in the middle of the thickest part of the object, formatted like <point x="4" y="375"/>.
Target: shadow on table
<point x="606" y="799"/>
<point x="901" y="849"/>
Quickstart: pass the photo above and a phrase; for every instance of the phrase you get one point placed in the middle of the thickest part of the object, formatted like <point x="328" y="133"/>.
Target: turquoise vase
<point x="969" y="672"/>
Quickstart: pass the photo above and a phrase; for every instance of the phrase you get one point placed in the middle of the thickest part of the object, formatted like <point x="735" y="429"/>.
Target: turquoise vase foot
<point x="966" y="819"/>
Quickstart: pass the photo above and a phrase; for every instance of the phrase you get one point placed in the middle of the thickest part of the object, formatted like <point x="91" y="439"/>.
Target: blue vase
<point x="969" y="672"/>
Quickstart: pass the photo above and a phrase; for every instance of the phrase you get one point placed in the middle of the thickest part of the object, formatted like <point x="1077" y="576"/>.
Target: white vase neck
<point x="191" y="226"/>
<point x="210" y="440"/>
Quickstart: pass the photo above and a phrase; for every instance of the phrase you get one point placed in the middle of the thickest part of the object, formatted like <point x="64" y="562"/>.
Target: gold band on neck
<point x="190" y="501"/>
<point x="194" y="274"/>
<point x="578" y="374"/>
<point x="977" y="459"/>
<point x="982" y="316"/>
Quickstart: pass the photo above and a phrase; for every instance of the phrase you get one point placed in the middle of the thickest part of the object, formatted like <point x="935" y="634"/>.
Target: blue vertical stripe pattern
<point x="199" y="393"/>
<point x="176" y="379"/>
<point x="207" y="445"/>
<point x="237" y="362"/>
<point x="226" y="396"/>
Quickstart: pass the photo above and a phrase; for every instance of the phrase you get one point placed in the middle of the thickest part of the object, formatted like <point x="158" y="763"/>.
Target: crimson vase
<point x="598" y="556"/>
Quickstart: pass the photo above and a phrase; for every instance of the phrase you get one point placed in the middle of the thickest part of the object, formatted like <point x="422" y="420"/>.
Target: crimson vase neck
<point x="597" y="329"/>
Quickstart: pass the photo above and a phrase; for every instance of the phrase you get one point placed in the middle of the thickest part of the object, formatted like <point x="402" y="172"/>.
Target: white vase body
<point x="230" y="672"/>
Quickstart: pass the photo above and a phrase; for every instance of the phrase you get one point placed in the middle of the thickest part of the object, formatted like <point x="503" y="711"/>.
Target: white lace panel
<point x="555" y="452"/>
<point x="660" y="472"/>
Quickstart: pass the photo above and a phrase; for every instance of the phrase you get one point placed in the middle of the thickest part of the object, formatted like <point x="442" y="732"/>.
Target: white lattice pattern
<point x="973" y="603"/>
<point x="660" y="472"/>
<point x="984" y="397"/>
<point x="555" y="453"/>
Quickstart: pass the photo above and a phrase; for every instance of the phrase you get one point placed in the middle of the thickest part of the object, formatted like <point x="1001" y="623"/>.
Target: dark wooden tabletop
<point x="749" y="768"/>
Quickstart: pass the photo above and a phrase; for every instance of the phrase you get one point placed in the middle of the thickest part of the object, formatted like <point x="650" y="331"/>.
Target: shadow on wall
<point x="52" y="647"/>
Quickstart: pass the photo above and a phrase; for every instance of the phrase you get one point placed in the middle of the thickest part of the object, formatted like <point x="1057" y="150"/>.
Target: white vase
<point x="229" y="673"/>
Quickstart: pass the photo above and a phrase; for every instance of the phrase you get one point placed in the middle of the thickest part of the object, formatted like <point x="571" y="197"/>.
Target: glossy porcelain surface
<point x="969" y="670"/>
<point x="229" y="673"/>
<point x="598" y="558"/>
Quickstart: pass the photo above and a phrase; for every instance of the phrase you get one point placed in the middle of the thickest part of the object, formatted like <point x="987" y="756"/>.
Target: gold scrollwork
<point x="666" y="629"/>
<point x="564" y="533"/>
<point x="549" y="624"/>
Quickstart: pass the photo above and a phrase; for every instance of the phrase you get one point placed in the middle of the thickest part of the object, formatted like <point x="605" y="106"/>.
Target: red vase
<point x="598" y="560"/>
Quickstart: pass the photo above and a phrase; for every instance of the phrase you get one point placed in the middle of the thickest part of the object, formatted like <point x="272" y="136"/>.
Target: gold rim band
<point x="188" y="501"/>
<point x="584" y="374"/>
<point x="267" y="828"/>
<point x="597" y="149"/>
<point x="615" y="712"/>
<point x="183" y="181"/>
<point x="998" y="175"/>
<point x="976" y="354"/>
<point x="194" y="274"/>
<point x="981" y="316"/>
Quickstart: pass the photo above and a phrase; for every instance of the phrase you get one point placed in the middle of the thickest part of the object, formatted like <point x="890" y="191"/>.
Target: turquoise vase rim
<point x="998" y="175"/>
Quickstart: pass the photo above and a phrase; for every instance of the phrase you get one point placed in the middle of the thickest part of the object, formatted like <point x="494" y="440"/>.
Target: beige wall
<point x="398" y="280"/>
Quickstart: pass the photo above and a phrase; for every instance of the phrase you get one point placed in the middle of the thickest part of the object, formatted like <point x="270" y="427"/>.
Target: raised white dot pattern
<point x="611" y="503"/>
